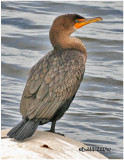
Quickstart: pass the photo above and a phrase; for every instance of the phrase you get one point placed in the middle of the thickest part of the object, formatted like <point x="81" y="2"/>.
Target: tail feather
<point x="33" y="129"/>
<point x="21" y="133"/>
<point x="27" y="132"/>
<point x="19" y="129"/>
<point x="24" y="129"/>
<point x="14" y="129"/>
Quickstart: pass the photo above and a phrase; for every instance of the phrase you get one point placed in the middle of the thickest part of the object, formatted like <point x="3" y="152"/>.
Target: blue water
<point x="95" y="117"/>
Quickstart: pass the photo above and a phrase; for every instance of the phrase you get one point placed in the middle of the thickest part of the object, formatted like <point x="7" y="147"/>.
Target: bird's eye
<point x="76" y="21"/>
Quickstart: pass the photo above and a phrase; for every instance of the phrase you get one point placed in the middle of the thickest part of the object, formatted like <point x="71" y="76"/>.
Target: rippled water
<point x="95" y="116"/>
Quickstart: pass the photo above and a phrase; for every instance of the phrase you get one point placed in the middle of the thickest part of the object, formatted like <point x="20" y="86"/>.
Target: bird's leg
<point x="53" y="128"/>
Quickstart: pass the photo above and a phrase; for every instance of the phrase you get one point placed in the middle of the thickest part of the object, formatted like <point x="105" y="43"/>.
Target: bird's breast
<point x="72" y="61"/>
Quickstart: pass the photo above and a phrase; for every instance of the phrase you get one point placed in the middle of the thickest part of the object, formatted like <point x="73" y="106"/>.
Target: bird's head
<point x="65" y="25"/>
<point x="70" y="22"/>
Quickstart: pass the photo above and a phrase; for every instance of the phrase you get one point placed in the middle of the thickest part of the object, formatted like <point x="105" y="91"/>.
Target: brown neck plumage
<point x="65" y="41"/>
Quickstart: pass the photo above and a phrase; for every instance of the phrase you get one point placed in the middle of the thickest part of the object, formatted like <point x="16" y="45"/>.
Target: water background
<point x="95" y="116"/>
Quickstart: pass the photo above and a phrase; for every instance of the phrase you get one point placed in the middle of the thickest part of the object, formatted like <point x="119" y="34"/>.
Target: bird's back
<point x="53" y="82"/>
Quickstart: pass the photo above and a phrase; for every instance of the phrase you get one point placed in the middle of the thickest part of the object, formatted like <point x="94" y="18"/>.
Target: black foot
<point x="53" y="128"/>
<point x="59" y="133"/>
<point x="49" y="131"/>
<point x="55" y="132"/>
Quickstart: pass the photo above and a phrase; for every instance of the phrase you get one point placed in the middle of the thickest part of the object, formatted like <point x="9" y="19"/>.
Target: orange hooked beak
<point x="82" y="22"/>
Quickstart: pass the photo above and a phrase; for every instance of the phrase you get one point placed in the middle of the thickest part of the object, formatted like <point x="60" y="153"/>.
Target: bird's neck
<point x="68" y="42"/>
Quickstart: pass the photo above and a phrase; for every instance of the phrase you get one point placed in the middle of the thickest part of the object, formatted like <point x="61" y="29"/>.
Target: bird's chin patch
<point x="74" y="28"/>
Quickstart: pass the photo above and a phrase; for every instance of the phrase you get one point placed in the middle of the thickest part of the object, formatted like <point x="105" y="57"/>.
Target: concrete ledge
<point x="44" y="145"/>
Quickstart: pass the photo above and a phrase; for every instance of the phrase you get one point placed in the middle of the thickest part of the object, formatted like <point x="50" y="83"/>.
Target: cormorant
<point x="54" y="80"/>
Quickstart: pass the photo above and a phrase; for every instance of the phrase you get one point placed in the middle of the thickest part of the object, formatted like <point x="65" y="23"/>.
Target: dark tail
<point x="24" y="129"/>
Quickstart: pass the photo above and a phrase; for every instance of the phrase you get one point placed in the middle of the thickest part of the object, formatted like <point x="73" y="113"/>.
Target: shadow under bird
<point x="54" y="80"/>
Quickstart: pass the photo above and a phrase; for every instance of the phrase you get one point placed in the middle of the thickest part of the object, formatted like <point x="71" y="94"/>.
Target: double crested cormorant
<point x="54" y="80"/>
